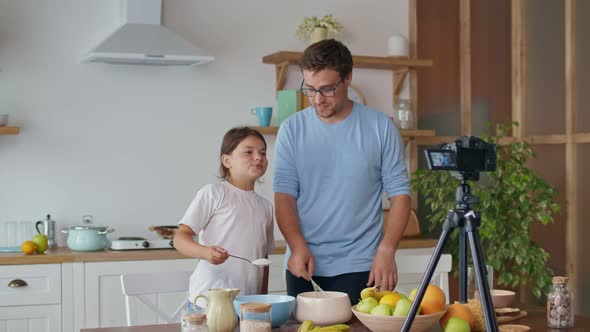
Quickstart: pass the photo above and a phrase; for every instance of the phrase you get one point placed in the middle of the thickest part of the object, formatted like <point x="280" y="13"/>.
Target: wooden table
<point x="536" y="320"/>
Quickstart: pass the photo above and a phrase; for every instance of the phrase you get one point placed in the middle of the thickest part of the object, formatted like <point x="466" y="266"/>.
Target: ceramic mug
<point x="264" y="114"/>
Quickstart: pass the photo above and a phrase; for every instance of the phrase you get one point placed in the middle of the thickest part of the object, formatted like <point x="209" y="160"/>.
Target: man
<point x="333" y="160"/>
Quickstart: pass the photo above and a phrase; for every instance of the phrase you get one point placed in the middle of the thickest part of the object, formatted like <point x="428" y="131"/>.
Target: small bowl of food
<point x="500" y="298"/>
<point x="165" y="232"/>
<point x="323" y="308"/>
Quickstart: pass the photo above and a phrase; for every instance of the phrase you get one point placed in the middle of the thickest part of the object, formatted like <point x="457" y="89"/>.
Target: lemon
<point x="379" y="295"/>
<point x="390" y="299"/>
<point x="28" y="247"/>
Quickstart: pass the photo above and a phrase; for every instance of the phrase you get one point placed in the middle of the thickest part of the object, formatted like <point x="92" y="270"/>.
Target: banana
<point x="306" y="326"/>
<point x="331" y="328"/>
<point x="368" y="292"/>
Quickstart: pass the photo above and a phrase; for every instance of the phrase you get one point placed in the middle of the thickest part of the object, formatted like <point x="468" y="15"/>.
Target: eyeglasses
<point x="326" y="92"/>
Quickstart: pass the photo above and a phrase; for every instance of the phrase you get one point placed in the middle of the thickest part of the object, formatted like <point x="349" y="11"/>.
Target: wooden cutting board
<point x="509" y="318"/>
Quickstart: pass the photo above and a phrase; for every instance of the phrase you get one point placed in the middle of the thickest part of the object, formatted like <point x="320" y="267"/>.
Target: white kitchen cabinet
<point x="30" y="318"/>
<point x="104" y="303"/>
<point x="276" y="275"/>
<point x="35" y="305"/>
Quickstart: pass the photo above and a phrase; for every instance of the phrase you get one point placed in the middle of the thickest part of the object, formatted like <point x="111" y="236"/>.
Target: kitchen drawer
<point x="43" y="284"/>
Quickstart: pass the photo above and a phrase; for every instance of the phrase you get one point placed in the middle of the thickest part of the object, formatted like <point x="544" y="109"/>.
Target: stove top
<point x="139" y="243"/>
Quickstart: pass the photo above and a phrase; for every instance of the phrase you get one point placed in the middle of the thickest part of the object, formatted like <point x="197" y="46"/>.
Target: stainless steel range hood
<point x="142" y="40"/>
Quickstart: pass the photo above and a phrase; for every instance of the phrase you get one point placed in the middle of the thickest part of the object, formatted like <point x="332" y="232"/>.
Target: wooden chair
<point x="148" y="286"/>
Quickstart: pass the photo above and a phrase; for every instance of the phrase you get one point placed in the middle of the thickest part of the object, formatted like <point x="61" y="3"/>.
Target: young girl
<point x="230" y="218"/>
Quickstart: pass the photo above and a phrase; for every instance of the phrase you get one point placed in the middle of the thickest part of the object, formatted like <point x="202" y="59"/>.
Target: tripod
<point x="468" y="221"/>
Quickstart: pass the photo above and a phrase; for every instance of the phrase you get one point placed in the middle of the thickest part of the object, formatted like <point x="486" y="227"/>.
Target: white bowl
<point x="3" y="120"/>
<point x="323" y="310"/>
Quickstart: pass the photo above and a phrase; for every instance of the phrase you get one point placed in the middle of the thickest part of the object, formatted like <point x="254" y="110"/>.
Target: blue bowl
<point x="282" y="306"/>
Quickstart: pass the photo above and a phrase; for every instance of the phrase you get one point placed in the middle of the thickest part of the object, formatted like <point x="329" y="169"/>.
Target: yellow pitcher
<point x="221" y="316"/>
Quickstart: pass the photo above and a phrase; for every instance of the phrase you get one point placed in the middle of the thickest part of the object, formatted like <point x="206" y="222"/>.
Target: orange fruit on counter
<point x="433" y="301"/>
<point x="390" y="299"/>
<point x="458" y="310"/>
<point x="28" y="247"/>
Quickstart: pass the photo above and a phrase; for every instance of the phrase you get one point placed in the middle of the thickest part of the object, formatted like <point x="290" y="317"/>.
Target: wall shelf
<point x="9" y="130"/>
<point x="405" y="133"/>
<point x="399" y="65"/>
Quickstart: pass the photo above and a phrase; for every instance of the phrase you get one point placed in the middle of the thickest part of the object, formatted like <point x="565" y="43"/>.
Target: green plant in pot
<point x="511" y="199"/>
<point x="315" y="28"/>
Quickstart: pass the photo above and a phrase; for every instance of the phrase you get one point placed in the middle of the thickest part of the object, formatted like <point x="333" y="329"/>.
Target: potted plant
<point x="511" y="199"/>
<point x="316" y="29"/>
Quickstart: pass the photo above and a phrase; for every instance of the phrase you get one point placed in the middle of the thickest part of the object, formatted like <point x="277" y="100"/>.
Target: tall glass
<point x="472" y="286"/>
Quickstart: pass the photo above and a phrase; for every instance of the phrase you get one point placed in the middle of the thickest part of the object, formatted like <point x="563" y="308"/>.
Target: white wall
<point x="131" y="145"/>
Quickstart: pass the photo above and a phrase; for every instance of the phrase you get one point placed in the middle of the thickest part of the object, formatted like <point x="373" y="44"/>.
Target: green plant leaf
<point x="511" y="200"/>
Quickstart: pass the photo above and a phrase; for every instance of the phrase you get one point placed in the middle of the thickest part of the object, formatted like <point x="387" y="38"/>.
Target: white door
<point x="104" y="299"/>
<point x="31" y="318"/>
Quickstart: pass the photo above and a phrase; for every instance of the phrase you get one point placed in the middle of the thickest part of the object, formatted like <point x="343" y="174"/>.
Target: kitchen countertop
<point x="537" y="321"/>
<point x="64" y="255"/>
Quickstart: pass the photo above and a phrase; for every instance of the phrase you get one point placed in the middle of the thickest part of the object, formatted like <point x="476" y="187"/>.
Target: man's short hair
<point x="327" y="54"/>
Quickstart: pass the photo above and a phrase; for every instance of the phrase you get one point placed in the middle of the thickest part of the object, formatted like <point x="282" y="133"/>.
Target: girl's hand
<point x="216" y="255"/>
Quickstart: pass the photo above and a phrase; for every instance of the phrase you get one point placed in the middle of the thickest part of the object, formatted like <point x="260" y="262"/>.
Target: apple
<point x="367" y="305"/>
<point x="41" y="241"/>
<point x="382" y="310"/>
<point x="413" y="294"/>
<point x="456" y="324"/>
<point x="403" y="307"/>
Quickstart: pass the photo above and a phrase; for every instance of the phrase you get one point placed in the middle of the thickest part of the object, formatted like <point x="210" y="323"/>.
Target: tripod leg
<point x="449" y="225"/>
<point x="478" y="265"/>
<point x="462" y="266"/>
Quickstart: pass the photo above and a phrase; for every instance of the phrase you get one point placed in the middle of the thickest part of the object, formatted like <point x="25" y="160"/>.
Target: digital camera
<point x="467" y="154"/>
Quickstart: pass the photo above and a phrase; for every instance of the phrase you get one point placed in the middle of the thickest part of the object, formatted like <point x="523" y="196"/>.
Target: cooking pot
<point x="88" y="237"/>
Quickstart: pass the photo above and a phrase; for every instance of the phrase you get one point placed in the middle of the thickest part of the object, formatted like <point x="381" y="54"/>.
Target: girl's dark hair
<point x="231" y="140"/>
<point x="327" y="54"/>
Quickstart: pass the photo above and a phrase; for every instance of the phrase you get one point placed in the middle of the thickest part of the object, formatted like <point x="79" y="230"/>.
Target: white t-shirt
<point x="239" y="221"/>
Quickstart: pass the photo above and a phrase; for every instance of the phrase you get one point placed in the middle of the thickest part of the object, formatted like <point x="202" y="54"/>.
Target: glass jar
<point x="560" y="305"/>
<point x="255" y="317"/>
<point x="403" y="114"/>
<point x="194" y="322"/>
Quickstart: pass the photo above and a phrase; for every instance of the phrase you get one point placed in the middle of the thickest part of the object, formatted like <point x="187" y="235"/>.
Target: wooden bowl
<point x="377" y="323"/>
<point x="513" y="328"/>
<point x="500" y="298"/>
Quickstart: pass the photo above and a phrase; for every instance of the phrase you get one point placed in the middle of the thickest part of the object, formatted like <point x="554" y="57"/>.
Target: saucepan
<point x="88" y="237"/>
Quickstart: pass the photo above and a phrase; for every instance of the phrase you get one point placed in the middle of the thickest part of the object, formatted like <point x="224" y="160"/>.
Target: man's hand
<point x="216" y="255"/>
<point x="384" y="269"/>
<point x="301" y="263"/>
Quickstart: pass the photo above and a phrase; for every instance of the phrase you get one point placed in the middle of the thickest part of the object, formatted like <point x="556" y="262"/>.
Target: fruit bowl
<point x="377" y="323"/>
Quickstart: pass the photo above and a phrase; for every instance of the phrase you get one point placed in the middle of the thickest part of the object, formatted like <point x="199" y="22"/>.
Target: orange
<point x="433" y="301"/>
<point x="458" y="310"/>
<point x="390" y="299"/>
<point x="28" y="247"/>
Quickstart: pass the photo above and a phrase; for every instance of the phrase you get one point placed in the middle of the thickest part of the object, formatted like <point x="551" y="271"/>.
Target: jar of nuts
<point x="560" y="305"/>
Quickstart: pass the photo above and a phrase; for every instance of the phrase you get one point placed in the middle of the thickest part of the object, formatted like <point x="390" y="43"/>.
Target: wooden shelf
<point x="360" y="61"/>
<point x="399" y="65"/>
<point x="9" y="130"/>
<point x="405" y="133"/>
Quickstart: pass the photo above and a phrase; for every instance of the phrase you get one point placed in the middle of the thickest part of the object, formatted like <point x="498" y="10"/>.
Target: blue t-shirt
<point x="337" y="173"/>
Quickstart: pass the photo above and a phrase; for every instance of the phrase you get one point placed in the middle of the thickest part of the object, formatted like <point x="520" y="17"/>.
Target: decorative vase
<point x="318" y="34"/>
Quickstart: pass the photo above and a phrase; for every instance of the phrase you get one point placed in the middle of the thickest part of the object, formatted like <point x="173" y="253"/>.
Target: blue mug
<point x="264" y="114"/>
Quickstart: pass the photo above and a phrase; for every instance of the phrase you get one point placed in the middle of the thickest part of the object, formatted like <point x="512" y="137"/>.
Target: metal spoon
<point x="316" y="287"/>
<point x="258" y="262"/>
